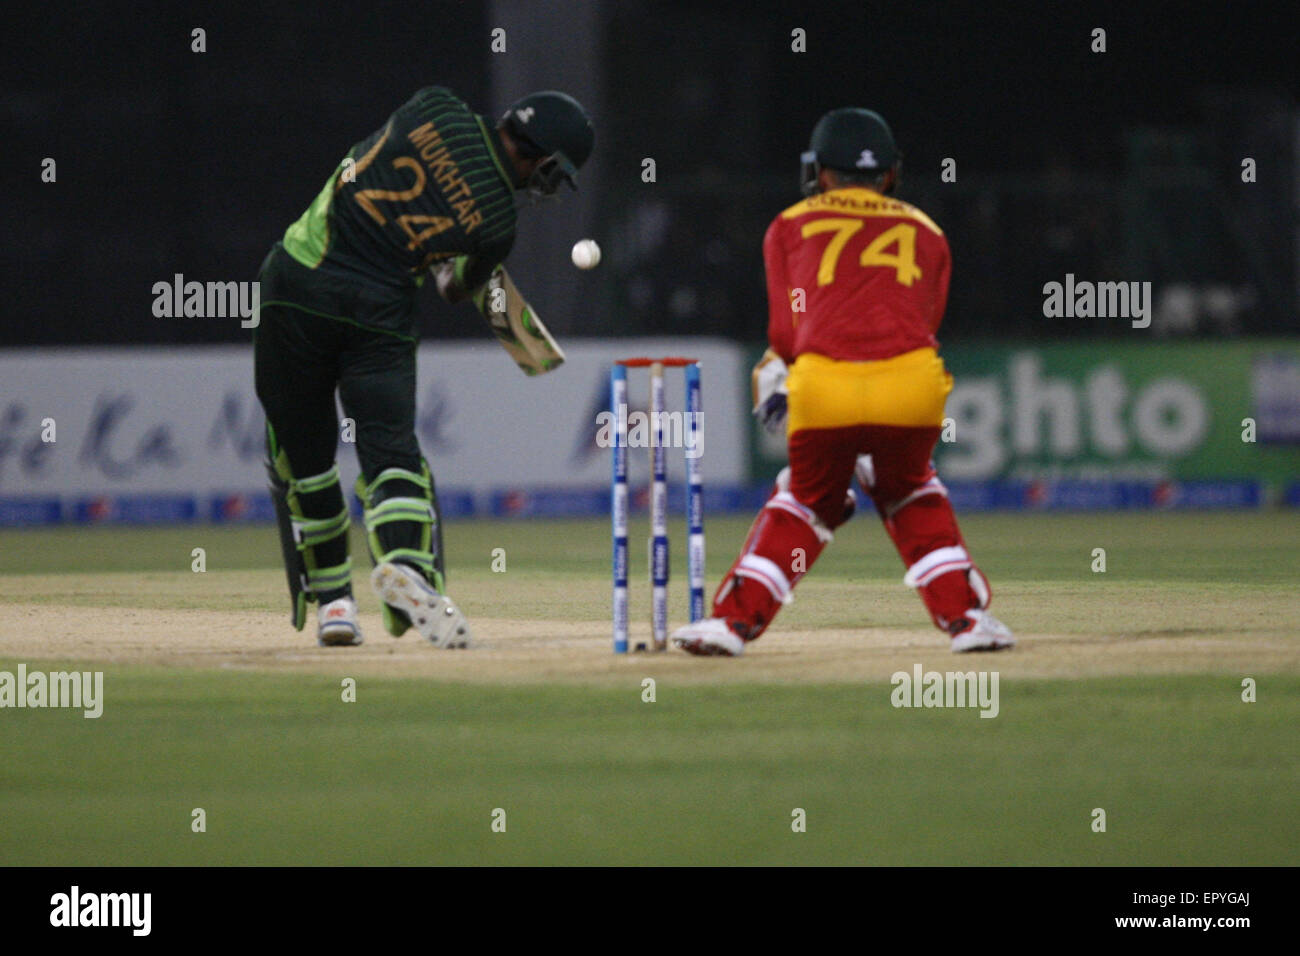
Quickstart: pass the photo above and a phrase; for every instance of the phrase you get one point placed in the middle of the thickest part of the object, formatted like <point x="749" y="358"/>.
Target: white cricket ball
<point x="586" y="254"/>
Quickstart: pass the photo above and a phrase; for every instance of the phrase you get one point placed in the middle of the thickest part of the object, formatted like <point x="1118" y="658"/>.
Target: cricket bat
<point x="517" y="326"/>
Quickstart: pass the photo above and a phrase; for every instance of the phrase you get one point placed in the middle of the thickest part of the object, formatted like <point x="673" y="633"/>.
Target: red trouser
<point x="809" y="502"/>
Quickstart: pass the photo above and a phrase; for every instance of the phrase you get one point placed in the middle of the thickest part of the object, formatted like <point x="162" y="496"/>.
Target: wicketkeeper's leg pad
<point x="785" y="540"/>
<point x="924" y="528"/>
<point x="313" y="523"/>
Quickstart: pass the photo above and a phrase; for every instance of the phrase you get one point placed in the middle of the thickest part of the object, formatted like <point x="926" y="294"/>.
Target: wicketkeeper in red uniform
<point x="856" y="283"/>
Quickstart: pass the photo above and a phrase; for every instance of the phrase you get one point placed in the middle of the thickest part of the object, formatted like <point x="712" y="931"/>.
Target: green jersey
<point x="429" y="185"/>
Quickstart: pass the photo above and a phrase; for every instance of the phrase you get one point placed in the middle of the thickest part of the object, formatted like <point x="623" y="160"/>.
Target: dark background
<point x="1122" y="165"/>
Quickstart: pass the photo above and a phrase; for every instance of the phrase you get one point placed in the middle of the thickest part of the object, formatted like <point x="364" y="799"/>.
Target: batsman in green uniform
<point x="431" y="192"/>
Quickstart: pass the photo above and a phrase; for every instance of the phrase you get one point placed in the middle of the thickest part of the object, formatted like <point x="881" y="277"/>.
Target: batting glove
<point x="450" y="279"/>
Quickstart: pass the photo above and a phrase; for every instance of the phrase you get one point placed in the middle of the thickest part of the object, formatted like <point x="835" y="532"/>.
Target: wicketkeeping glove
<point x="771" y="400"/>
<point x="771" y="414"/>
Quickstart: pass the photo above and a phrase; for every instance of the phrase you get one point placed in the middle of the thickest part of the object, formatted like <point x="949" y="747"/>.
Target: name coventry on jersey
<point x="861" y="206"/>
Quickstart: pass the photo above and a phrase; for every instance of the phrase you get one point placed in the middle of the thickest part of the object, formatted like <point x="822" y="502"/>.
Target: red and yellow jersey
<point x="855" y="276"/>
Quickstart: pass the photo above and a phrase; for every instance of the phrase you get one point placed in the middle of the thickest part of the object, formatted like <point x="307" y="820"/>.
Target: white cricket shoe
<point x="337" y="624"/>
<point x="709" y="638"/>
<point x="434" y="615"/>
<point x="984" y="633"/>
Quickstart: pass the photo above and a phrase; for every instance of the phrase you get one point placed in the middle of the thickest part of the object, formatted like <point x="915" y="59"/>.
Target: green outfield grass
<point x="412" y="772"/>
<point x="709" y="773"/>
<point x="1213" y="547"/>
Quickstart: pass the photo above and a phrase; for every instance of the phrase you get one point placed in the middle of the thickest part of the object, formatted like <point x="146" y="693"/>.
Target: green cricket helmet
<point x="849" y="140"/>
<point x="553" y="127"/>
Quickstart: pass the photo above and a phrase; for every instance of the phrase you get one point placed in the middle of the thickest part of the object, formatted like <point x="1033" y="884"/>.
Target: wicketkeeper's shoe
<point x="434" y="615"/>
<point x="710" y="637"/>
<point x="337" y="625"/>
<point x="980" y="631"/>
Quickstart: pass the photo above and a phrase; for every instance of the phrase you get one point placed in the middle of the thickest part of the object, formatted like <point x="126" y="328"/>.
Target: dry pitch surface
<point x="546" y="618"/>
